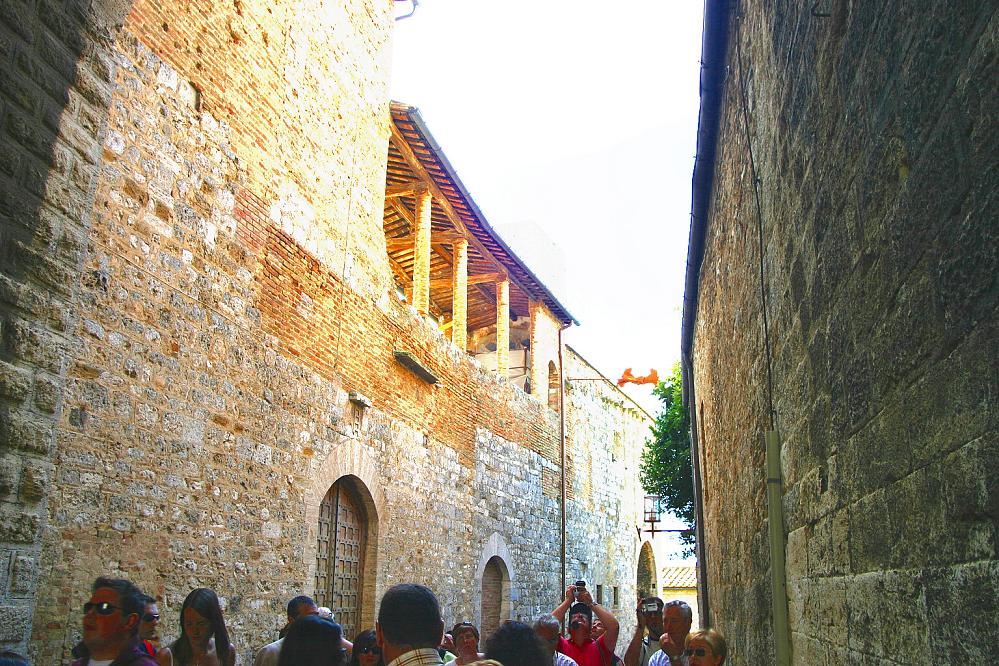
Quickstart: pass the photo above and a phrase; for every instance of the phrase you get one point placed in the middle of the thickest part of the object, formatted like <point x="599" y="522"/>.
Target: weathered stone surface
<point x="14" y="621"/>
<point x="14" y="382"/>
<point x="875" y="144"/>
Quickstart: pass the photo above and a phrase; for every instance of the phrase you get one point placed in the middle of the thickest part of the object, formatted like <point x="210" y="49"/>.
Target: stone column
<point x="539" y="383"/>
<point x="459" y="290"/>
<point x="503" y="327"/>
<point x="421" y="253"/>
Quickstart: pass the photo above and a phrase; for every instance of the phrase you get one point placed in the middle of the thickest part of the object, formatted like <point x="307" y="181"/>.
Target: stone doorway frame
<point x="496" y="547"/>
<point x="351" y="461"/>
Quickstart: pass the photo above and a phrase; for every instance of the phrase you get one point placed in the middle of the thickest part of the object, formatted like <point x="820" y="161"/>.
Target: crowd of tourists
<point x="121" y="628"/>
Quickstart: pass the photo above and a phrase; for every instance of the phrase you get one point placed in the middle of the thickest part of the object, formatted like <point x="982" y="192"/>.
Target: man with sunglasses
<point x="149" y="626"/>
<point x="111" y="626"/>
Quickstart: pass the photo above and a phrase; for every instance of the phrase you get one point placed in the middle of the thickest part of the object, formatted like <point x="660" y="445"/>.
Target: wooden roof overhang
<point x="415" y="161"/>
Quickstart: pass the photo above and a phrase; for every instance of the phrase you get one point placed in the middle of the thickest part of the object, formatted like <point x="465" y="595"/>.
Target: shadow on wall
<point x="58" y="74"/>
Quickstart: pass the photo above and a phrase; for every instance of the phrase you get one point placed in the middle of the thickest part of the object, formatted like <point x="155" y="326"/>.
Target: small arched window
<point x="554" y="387"/>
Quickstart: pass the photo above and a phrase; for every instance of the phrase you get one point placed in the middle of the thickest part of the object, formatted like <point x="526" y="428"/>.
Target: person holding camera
<point x="650" y="619"/>
<point x="580" y="647"/>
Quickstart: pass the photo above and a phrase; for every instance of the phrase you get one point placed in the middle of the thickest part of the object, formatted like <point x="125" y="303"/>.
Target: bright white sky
<point x="573" y="124"/>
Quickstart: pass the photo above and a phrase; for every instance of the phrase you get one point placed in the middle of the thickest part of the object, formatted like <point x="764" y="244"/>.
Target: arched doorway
<point x="495" y="605"/>
<point x="646" y="582"/>
<point x="341" y="542"/>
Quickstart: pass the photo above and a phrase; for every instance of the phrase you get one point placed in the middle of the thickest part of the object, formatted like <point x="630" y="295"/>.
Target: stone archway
<point x="344" y="489"/>
<point x="646" y="579"/>
<point x="495" y="579"/>
<point x="494" y="595"/>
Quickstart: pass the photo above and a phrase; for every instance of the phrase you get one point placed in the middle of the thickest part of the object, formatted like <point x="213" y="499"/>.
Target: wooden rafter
<point x="406" y="278"/>
<point x="409" y="241"/>
<point x="481" y="278"/>
<point x="404" y="189"/>
<point x="400" y="143"/>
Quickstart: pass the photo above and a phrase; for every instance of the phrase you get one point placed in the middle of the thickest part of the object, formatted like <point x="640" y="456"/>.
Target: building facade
<point x="257" y="337"/>
<point x="842" y="292"/>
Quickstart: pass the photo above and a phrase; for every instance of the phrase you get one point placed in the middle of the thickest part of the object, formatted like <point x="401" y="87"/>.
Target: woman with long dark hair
<point x="313" y="641"/>
<point x="366" y="651"/>
<point x="203" y="639"/>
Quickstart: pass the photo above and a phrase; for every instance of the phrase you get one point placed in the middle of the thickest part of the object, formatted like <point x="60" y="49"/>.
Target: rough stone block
<point x="10" y="466"/>
<point x="46" y="393"/>
<point x="887" y="616"/>
<point x="33" y="344"/>
<point x="22" y="430"/>
<point x="18" y="526"/>
<point x="34" y="481"/>
<point x="14" y="622"/>
<point x="23" y="573"/>
<point x="14" y="381"/>
<point x="970" y="590"/>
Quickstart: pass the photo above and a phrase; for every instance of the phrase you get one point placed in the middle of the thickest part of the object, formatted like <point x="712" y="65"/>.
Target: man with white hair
<point x="547" y="629"/>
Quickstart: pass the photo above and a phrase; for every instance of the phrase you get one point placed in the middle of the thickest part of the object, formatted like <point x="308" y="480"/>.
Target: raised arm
<point x="634" y="651"/>
<point x="610" y="622"/>
<point x="559" y="612"/>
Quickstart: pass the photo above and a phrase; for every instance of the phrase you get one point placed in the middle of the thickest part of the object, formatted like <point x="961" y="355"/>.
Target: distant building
<point x="679" y="581"/>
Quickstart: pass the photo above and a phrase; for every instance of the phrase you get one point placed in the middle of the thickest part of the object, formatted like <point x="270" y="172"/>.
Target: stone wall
<point x="194" y="283"/>
<point x="875" y="134"/>
<point x="605" y="434"/>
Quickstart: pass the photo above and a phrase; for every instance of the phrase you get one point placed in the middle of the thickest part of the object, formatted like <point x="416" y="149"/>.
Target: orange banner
<point x="628" y="378"/>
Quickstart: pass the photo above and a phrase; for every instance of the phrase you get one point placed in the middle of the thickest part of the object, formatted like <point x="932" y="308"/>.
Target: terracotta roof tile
<point x="679" y="577"/>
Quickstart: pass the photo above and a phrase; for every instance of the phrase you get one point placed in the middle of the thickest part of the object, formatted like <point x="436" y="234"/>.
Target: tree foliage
<point x="665" y="469"/>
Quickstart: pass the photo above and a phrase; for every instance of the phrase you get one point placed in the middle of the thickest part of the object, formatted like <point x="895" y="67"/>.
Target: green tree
<point x="665" y="469"/>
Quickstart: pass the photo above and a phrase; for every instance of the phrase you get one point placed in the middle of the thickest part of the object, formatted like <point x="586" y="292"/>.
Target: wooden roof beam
<point x="400" y="143"/>
<point x="405" y="189"/>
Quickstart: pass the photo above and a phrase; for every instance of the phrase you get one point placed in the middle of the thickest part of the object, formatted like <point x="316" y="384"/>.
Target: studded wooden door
<point x="340" y="556"/>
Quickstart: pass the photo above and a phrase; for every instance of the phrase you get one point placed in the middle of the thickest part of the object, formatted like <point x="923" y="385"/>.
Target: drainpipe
<point x="778" y="570"/>
<point x="561" y="439"/>
<point x="695" y="459"/>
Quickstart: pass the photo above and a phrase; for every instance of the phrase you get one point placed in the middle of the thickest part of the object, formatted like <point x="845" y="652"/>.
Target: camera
<point x="650" y="607"/>
<point x="580" y="588"/>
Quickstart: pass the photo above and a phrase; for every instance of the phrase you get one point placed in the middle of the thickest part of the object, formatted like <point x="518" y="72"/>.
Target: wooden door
<point x="340" y="556"/>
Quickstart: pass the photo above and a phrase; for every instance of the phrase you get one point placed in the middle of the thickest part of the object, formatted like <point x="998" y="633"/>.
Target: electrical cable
<point x="759" y="221"/>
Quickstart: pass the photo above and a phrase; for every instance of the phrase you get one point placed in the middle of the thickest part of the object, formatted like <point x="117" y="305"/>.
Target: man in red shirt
<point x="580" y="647"/>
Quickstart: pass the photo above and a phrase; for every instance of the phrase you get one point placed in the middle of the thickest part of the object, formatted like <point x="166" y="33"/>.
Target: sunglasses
<point x="101" y="608"/>
<point x="150" y="617"/>
<point x="690" y="652"/>
<point x="371" y="649"/>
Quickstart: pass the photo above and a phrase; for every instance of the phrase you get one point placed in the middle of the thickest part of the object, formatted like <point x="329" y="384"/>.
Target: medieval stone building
<point x="842" y="293"/>
<point x="256" y="336"/>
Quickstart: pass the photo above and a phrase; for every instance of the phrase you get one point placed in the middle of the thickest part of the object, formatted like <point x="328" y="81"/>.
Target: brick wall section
<point x="544" y="348"/>
<point x="875" y="135"/>
<point x="304" y="88"/>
